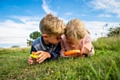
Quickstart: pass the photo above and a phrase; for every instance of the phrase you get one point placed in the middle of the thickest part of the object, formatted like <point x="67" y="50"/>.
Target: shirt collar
<point x="42" y="43"/>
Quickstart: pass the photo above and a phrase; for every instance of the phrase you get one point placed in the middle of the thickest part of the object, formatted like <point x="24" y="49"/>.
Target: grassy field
<point x="104" y="65"/>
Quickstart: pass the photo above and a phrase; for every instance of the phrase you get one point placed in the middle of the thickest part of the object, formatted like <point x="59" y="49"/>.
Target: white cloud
<point x="46" y="8"/>
<point x="96" y="27"/>
<point x="104" y="15"/>
<point x="16" y="33"/>
<point x="25" y="18"/>
<point x="110" y="6"/>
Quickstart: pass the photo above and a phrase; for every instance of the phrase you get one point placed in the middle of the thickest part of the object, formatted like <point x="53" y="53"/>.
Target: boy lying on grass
<point x="48" y="45"/>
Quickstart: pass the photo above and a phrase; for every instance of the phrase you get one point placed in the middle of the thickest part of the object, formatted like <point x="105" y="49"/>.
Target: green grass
<point x="104" y="65"/>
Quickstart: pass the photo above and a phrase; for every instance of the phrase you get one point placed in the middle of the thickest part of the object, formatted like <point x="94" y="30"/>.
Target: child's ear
<point x="45" y="36"/>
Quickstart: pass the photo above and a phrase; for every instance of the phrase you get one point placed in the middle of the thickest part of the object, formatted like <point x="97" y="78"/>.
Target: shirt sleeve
<point x="87" y="46"/>
<point x="62" y="51"/>
<point x="56" y="53"/>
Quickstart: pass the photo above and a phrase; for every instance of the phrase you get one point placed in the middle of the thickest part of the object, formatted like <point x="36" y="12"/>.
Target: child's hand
<point x="42" y="55"/>
<point x="85" y="50"/>
<point x="30" y="60"/>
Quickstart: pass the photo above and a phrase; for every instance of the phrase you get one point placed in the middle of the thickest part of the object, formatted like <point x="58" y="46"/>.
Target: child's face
<point x="53" y="39"/>
<point x="71" y="42"/>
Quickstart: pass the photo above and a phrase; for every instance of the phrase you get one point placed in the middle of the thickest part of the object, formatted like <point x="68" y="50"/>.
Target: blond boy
<point x="48" y="45"/>
<point x="76" y="37"/>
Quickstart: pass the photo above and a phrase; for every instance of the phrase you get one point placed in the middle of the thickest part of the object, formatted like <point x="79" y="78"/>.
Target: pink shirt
<point x="85" y="42"/>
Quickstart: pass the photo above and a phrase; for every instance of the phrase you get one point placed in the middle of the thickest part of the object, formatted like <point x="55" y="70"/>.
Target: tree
<point x="15" y="46"/>
<point x="114" y="32"/>
<point x="29" y="42"/>
<point x="34" y="35"/>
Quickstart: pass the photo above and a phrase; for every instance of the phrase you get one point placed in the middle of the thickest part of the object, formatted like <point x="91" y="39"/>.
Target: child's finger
<point x="38" y="52"/>
<point x="82" y="50"/>
<point x="30" y="61"/>
<point x="41" y="59"/>
<point x="30" y="57"/>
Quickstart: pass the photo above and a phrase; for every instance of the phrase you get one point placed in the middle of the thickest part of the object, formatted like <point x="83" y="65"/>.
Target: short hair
<point x="51" y="25"/>
<point x="75" y="29"/>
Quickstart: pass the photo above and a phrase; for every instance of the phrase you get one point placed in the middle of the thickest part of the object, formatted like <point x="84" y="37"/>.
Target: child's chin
<point x="56" y="44"/>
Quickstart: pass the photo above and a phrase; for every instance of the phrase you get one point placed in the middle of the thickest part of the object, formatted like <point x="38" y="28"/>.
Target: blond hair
<point x="51" y="25"/>
<point x="75" y="29"/>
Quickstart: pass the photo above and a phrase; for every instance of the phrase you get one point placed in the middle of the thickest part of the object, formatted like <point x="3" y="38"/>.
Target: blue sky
<point x="19" y="18"/>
